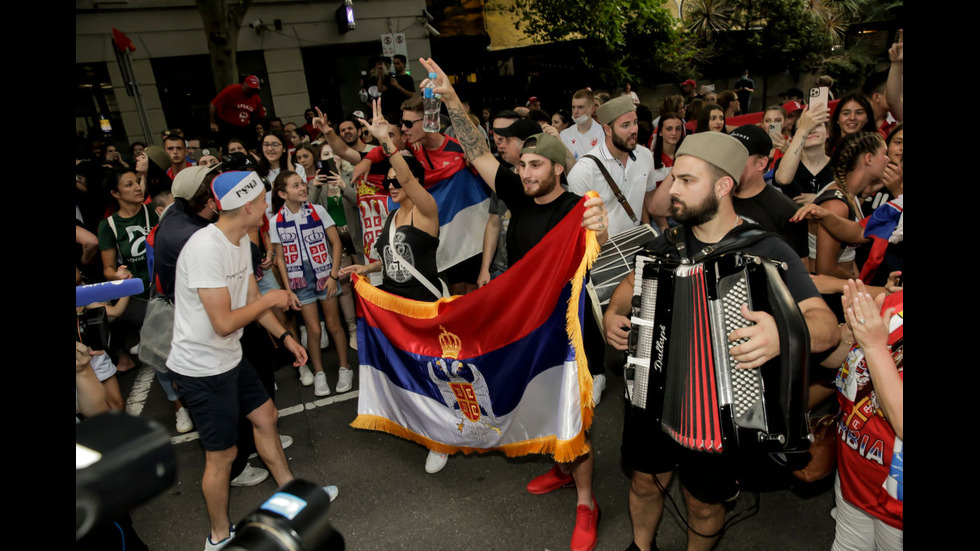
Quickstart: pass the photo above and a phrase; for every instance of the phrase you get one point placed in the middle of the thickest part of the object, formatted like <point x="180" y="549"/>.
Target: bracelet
<point x="282" y="338"/>
<point x="334" y="278"/>
<point x="841" y="327"/>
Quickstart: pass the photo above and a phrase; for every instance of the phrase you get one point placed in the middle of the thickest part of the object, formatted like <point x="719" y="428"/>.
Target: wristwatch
<point x="282" y="338"/>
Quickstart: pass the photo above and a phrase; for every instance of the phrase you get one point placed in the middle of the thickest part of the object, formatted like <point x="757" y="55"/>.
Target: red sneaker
<point x="586" y="532"/>
<point x="550" y="481"/>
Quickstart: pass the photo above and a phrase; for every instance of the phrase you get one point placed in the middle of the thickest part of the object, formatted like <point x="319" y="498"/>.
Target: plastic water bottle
<point x="430" y="122"/>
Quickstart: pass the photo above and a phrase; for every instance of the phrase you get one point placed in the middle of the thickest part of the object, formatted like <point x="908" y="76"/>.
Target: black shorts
<point x="646" y="448"/>
<point x="215" y="402"/>
<point x="467" y="271"/>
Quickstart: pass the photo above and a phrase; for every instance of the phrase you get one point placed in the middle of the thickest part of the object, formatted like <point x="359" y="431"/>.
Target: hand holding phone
<point x="819" y="96"/>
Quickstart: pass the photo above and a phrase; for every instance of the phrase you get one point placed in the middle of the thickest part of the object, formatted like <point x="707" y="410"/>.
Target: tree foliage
<point x="623" y="40"/>
<point x="765" y="36"/>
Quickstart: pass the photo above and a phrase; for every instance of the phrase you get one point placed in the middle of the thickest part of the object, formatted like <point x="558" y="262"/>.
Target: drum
<point x="615" y="259"/>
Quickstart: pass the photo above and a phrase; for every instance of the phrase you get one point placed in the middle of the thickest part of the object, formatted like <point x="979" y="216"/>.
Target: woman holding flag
<point x="407" y="245"/>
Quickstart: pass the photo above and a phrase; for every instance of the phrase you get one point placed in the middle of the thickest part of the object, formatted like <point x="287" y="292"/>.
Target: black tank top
<point x="416" y="247"/>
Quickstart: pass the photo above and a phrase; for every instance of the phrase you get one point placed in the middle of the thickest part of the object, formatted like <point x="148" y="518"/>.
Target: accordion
<point x="679" y="368"/>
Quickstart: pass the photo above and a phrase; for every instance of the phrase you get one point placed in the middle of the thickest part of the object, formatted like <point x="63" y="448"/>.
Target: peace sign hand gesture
<point x="379" y="126"/>
<point x="321" y="123"/>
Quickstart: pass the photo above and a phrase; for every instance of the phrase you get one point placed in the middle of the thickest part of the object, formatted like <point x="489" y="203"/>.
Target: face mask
<point x="582" y="119"/>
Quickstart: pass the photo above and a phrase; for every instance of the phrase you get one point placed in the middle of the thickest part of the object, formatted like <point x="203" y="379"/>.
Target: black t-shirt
<point x="392" y="98"/>
<point x="176" y="227"/>
<point x="529" y="221"/>
<point x="772" y="210"/>
<point x="805" y="181"/>
<point x="797" y="279"/>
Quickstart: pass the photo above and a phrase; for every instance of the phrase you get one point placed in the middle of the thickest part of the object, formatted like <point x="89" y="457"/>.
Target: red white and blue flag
<point x="502" y="368"/>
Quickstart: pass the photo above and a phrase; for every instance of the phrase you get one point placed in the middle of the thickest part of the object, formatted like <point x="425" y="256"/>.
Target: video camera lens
<point x="294" y="518"/>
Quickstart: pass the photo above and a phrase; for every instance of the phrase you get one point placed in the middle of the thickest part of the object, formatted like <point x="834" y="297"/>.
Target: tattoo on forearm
<point x="468" y="135"/>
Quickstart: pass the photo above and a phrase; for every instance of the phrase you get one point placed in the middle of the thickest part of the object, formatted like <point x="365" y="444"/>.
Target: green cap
<point x="613" y="109"/>
<point x="721" y="150"/>
<point x="547" y="146"/>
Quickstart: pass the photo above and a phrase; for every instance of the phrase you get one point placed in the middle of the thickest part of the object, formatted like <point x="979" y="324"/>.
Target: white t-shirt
<point x="634" y="180"/>
<point x="580" y="144"/>
<point x="208" y="261"/>
<point x="296" y="219"/>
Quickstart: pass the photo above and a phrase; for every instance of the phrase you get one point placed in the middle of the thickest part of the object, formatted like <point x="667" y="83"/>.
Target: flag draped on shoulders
<point x="464" y="202"/>
<point x="886" y="225"/>
<point x="502" y="368"/>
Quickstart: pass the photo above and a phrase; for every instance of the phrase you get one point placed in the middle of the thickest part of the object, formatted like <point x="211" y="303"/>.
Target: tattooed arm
<point x="474" y="145"/>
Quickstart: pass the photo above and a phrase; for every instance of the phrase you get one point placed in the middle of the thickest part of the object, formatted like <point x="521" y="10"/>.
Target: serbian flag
<point x="885" y="225"/>
<point x="502" y="368"/>
<point x="464" y="207"/>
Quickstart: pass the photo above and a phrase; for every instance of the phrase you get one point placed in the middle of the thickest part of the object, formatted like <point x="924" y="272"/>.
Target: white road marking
<point x="140" y="391"/>
<point x="283" y="412"/>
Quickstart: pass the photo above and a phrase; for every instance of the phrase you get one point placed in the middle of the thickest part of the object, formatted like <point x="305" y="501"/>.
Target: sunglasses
<point x="408" y="124"/>
<point x="391" y="182"/>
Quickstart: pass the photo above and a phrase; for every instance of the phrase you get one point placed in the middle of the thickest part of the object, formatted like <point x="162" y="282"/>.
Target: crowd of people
<point x="257" y="228"/>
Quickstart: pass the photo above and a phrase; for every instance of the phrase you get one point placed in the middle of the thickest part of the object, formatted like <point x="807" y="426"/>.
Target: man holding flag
<point x="537" y="203"/>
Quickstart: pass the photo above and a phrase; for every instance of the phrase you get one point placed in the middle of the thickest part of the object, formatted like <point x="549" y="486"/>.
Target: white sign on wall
<point x="395" y="43"/>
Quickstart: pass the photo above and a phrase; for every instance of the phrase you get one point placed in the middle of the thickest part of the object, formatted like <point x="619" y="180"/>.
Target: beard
<point x="544" y="187"/>
<point x="623" y="144"/>
<point x="697" y="214"/>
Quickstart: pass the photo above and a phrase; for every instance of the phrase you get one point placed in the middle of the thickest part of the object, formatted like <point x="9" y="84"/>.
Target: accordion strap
<point x="739" y="238"/>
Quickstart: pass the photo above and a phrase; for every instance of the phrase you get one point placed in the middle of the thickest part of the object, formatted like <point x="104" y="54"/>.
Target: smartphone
<point x="329" y="165"/>
<point x="775" y="129"/>
<point x="818" y="96"/>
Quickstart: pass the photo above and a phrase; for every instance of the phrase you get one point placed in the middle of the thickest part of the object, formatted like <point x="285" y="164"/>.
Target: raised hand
<point x="443" y="87"/>
<point x="379" y="126"/>
<point x="863" y="315"/>
<point x="321" y="123"/>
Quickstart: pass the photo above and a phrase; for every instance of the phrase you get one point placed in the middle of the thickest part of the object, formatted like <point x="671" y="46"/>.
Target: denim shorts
<point x="309" y="294"/>
<point x="268" y="282"/>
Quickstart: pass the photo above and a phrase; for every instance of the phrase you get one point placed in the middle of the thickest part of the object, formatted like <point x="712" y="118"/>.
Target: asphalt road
<point x="387" y="501"/>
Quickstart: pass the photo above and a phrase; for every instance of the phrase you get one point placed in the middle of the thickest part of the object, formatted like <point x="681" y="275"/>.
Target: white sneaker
<point x="324" y="339"/>
<point x="435" y="461"/>
<point x="346" y="379"/>
<point x="320" y="386"/>
<point x="305" y="375"/>
<point x="332" y="491"/>
<point x="250" y="476"/>
<point x="352" y="329"/>
<point x="135" y="350"/>
<point x="208" y="546"/>
<point x="184" y="423"/>
<point x="598" y="385"/>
